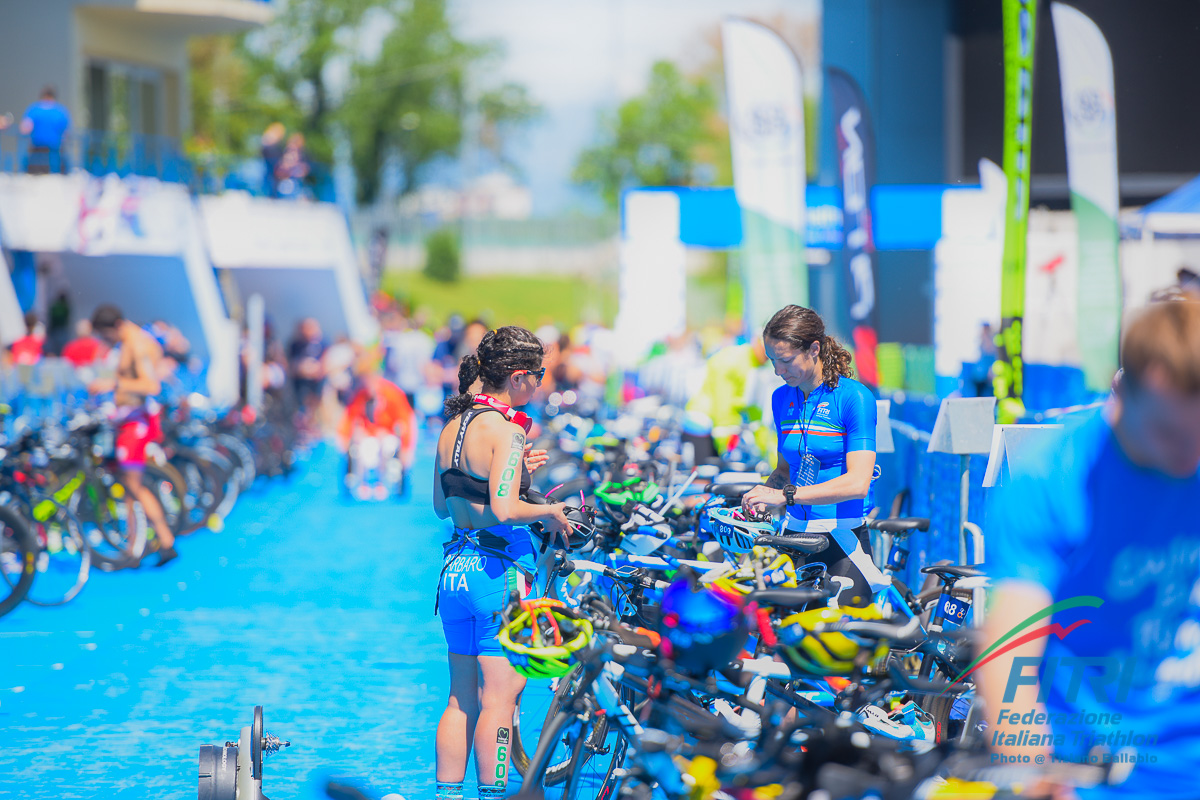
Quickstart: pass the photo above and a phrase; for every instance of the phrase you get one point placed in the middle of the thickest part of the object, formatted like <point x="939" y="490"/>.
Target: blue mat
<point x="317" y="607"/>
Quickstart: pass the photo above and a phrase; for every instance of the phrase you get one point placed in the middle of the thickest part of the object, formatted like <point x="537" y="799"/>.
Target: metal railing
<point x="105" y="153"/>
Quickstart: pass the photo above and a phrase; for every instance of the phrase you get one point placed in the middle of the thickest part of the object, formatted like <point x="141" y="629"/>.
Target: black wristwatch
<point x="789" y="494"/>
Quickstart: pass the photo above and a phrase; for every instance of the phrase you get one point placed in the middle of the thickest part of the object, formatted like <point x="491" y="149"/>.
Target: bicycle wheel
<point x="63" y="560"/>
<point x="18" y="559"/>
<point x="170" y="489"/>
<point x="228" y="477"/>
<point x="111" y="533"/>
<point x="242" y="455"/>
<point x="205" y="489"/>
<point x="581" y="750"/>
<point x="591" y="749"/>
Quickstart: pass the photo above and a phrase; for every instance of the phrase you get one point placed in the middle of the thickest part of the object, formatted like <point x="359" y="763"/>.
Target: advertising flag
<point x="1020" y="20"/>
<point x="856" y="161"/>
<point x="766" y="132"/>
<point x="1090" y="121"/>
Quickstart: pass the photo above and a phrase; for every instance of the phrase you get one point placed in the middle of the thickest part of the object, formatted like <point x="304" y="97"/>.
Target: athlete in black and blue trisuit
<point x="826" y="424"/>
<point x="483" y="465"/>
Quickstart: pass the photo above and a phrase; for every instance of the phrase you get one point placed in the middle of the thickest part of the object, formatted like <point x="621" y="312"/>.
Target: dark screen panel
<point x="1157" y="82"/>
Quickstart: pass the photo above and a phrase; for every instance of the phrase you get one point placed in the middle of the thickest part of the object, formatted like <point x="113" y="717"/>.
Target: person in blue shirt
<point x="826" y="425"/>
<point x="45" y="123"/>
<point x="1104" y="520"/>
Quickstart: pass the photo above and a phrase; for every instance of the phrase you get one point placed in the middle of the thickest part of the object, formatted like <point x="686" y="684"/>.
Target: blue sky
<point x="580" y="57"/>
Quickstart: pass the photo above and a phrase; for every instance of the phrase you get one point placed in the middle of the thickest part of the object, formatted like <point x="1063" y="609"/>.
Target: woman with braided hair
<point x="826" y="424"/>
<point x="481" y="474"/>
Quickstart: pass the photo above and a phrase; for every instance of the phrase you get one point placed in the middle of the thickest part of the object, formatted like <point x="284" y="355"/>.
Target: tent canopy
<point x="1184" y="200"/>
<point x="1176" y="214"/>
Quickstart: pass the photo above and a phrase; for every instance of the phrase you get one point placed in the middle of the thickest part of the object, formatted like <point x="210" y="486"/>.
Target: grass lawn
<point x="526" y="300"/>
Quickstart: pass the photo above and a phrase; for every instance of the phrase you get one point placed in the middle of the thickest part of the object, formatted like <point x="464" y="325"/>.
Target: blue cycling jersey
<point x="828" y="424"/>
<point x="1083" y="521"/>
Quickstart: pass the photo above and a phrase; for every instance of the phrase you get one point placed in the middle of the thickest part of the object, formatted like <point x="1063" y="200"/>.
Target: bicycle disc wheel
<point x="18" y="559"/>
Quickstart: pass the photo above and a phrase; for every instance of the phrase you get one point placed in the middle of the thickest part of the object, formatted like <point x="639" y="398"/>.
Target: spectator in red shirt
<point x="85" y="348"/>
<point x="28" y="349"/>
<point x="380" y="408"/>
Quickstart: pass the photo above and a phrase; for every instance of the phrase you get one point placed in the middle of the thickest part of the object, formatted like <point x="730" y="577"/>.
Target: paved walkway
<point x="318" y="608"/>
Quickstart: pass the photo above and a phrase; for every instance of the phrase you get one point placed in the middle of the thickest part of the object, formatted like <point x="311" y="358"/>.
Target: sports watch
<point x="789" y="494"/>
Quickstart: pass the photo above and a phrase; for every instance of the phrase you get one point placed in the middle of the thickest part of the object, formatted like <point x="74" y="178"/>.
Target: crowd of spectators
<point x="179" y="370"/>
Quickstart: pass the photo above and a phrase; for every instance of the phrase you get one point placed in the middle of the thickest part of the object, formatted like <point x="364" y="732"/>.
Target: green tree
<point x="290" y="61"/>
<point x="409" y="103"/>
<point x="404" y="104"/>
<point x="671" y="135"/>
<point x="443" y="261"/>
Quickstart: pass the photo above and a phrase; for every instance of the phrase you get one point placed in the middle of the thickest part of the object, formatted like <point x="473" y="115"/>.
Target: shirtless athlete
<point x="138" y="422"/>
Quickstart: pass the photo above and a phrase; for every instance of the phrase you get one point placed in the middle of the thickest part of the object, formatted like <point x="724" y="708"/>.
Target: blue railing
<point x="98" y="153"/>
<point x="103" y="153"/>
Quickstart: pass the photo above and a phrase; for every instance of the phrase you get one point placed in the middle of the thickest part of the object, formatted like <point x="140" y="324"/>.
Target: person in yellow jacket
<point x="736" y="390"/>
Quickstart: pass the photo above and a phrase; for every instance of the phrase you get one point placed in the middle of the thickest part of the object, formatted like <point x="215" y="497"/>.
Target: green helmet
<point x="542" y="639"/>
<point x="637" y="489"/>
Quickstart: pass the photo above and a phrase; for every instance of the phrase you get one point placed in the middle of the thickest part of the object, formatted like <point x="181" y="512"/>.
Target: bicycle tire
<point x="228" y="476"/>
<point x="93" y="505"/>
<point x="18" y="549"/>
<point x="206" y="488"/>
<point x="238" y="450"/>
<point x="554" y="774"/>
<point x="521" y="755"/>
<point x="61" y="546"/>
<point x="618" y="748"/>
<point x="939" y="706"/>
<point x="170" y="489"/>
<point x="556" y="728"/>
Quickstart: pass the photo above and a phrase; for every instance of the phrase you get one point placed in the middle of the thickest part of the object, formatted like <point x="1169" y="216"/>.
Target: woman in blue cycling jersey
<point x="480" y="476"/>
<point x="826" y="425"/>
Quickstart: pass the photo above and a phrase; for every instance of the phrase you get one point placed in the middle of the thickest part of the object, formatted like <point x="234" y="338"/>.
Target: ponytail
<point x="468" y="373"/>
<point x="835" y="362"/>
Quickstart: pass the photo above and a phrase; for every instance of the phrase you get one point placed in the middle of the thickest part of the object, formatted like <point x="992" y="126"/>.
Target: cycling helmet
<point x="734" y="530"/>
<point x="779" y="573"/>
<point x="809" y="648"/>
<point x="703" y="627"/>
<point x="543" y="638"/>
<point x="582" y="519"/>
<point x="619" y="492"/>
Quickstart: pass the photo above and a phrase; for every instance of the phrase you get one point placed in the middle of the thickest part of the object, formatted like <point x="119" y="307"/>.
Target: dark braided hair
<point x="501" y="353"/>
<point x="799" y="327"/>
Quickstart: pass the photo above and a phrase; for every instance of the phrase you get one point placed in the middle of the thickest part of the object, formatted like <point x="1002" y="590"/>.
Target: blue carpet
<point x="317" y="607"/>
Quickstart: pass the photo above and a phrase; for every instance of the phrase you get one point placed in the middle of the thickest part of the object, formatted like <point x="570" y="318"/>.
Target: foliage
<point x="671" y="135"/>
<point x="527" y="300"/>
<point x="314" y="68"/>
<point x="443" y="261"/>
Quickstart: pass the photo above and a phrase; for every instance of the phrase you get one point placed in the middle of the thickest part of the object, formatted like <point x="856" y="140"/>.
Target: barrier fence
<point x="931" y="481"/>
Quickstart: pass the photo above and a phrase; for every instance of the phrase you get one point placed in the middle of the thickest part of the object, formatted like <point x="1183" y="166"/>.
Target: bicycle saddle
<point x="788" y="598"/>
<point x="730" y="491"/>
<point x="807" y="543"/>
<point x="952" y="572"/>
<point x="898" y="525"/>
